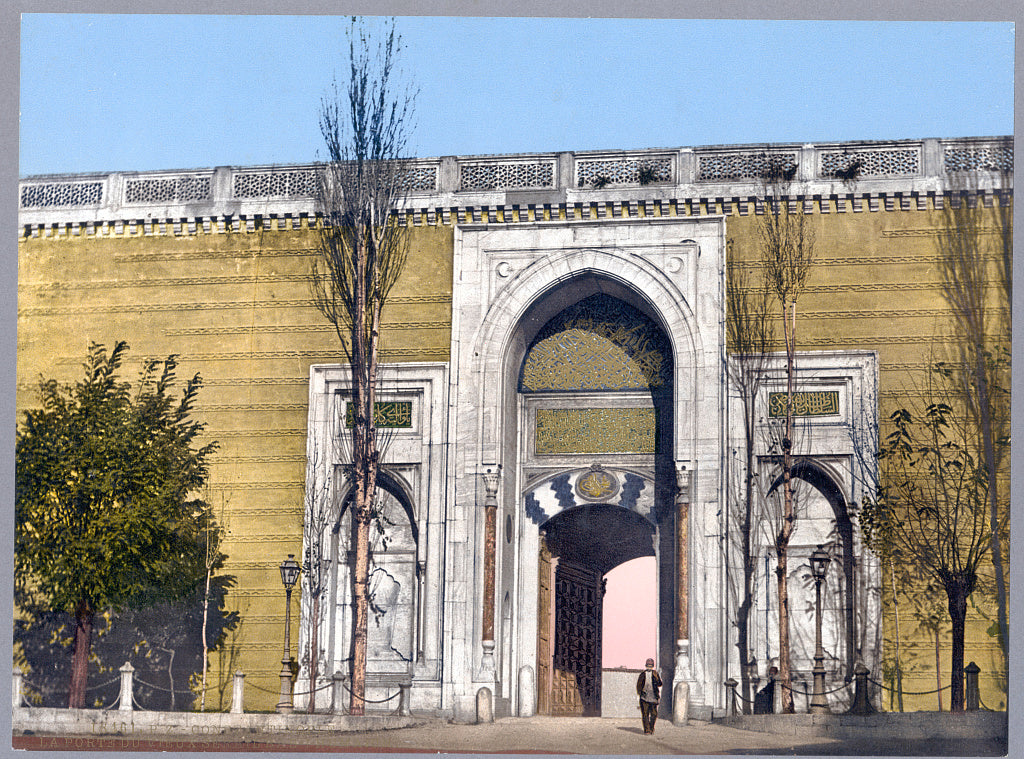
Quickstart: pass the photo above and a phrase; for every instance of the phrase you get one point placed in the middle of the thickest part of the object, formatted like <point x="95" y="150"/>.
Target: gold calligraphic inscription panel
<point x="595" y="430"/>
<point x="386" y="414"/>
<point x="600" y="343"/>
<point x="816" y="403"/>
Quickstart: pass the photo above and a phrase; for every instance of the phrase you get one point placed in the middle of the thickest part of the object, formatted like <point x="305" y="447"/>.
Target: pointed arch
<point x="531" y="298"/>
<point x="825" y="482"/>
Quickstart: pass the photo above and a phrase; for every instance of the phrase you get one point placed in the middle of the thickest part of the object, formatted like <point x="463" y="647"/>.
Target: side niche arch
<point x="393" y="576"/>
<point x="826" y="483"/>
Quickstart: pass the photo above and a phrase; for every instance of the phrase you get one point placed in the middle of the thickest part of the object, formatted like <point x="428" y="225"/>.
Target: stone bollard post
<point x="861" y="702"/>
<point x="17" y="683"/>
<point x="338" y="693"/>
<point x="680" y="703"/>
<point x="730" y="696"/>
<point x="127" y="673"/>
<point x="238" y="693"/>
<point x="484" y="707"/>
<point x="973" y="696"/>
<point x="403" y="700"/>
<point x="754" y="682"/>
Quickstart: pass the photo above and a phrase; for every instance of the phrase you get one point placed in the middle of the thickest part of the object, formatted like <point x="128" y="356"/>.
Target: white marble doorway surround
<point x="509" y="280"/>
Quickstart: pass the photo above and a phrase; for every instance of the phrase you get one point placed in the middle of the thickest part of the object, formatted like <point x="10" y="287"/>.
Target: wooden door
<point x="576" y="666"/>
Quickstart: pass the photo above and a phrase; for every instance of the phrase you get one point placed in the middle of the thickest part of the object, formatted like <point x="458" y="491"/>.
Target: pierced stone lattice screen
<point x="873" y="163"/>
<point x="167" y="190"/>
<point x="600" y="343"/>
<point x="496" y="176"/>
<point x="981" y="157"/>
<point x="300" y="183"/>
<point x="55" y="194"/>
<point x="421" y="179"/>
<point x="622" y="171"/>
<point x="720" y="167"/>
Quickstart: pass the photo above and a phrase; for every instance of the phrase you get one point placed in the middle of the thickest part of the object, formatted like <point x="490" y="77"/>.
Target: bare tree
<point x="362" y="249"/>
<point x="787" y="249"/>
<point x="214" y="560"/>
<point x="931" y="503"/>
<point x="975" y="258"/>
<point x="749" y="332"/>
<point x="316" y="559"/>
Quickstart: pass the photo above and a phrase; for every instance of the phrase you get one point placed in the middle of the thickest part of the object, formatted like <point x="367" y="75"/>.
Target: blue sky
<point x="142" y="92"/>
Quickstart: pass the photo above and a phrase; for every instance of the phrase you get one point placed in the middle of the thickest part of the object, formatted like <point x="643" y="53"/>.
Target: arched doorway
<point x="595" y="388"/>
<point x="509" y="481"/>
<point x="578" y="548"/>
<point x="822" y="519"/>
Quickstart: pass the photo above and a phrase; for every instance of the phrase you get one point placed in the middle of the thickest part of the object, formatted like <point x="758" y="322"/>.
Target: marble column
<point x="683" y="497"/>
<point x="491" y="479"/>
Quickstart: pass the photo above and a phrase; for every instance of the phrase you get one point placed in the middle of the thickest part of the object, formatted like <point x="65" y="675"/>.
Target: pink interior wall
<point x="630" y="614"/>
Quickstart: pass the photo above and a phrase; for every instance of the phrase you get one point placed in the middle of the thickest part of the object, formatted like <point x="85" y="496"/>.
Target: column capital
<point x="684" y="482"/>
<point x="491" y="477"/>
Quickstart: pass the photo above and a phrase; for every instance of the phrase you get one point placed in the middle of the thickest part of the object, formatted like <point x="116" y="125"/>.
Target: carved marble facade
<point x="555" y="373"/>
<point x="586" y="399"/>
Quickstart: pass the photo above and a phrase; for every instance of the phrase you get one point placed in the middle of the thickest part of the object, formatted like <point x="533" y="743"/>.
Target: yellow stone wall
<point x="875" y="285"/>
<point x="237" y="309"/>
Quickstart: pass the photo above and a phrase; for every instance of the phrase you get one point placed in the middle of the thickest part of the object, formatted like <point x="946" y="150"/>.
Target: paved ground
<point x="544" y="735"/>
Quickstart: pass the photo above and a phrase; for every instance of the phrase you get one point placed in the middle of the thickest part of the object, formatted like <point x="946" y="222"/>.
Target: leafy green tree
<point x="163" y="641"/>
<point x="105" y="512"/>
<point x="932" y="502"/>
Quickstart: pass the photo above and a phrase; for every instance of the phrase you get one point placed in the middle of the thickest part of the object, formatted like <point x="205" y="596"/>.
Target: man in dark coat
<point x="648" y="688"/>
<point x="764" y="699"/>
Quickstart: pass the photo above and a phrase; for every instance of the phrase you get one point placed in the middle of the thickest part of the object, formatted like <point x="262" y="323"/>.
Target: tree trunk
<point x="743" y="612"/>
<point x="742" y="622"/>
<point x="80" y="658"/>
<point x="206" y="648"/>
<point x="364" y="465"/>
<point x="314" y="644"/>
<point x="956" y="590"/>
<point x="361" y="598"/>
<point x="788" y="520"/>
<point x="938" y="667"/>
<point x="170" y="676"/>
<point x="896" y="616"/>
<point x="784" y="677"/>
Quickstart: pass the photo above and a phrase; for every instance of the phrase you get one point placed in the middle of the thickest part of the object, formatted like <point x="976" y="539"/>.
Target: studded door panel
<point x="576" y="681"/>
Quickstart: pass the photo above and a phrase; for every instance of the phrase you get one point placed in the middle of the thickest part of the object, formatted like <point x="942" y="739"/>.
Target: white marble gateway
<point x="581" y="477"/>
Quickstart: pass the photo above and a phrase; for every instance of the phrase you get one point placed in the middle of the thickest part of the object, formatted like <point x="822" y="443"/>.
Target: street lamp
<point x="289" y="574"/>
<point x="819" y="565"/>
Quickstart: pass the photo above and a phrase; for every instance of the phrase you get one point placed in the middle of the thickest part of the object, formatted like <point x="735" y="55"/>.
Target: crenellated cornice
<point x="841" y="177"/>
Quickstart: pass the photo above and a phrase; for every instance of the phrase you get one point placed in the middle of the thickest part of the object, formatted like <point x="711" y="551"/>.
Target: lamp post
<point x="819" y="565"/>
<point x="289" y="574"/>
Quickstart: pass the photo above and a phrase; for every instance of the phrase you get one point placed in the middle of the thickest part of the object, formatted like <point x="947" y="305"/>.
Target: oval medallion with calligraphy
<point x="597" y="485"/>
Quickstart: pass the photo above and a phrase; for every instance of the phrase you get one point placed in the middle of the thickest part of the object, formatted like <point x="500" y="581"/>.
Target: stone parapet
<point x="722" y="179"/>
